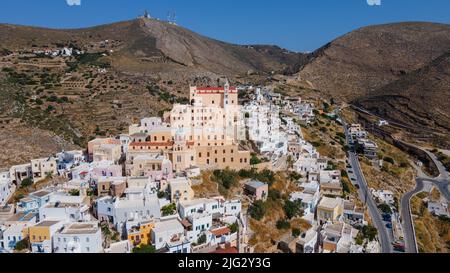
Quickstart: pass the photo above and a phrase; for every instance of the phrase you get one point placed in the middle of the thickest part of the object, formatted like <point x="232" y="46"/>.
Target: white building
<point x="333" y="176"/>
<point x="20" y="172"/>
<point x="7" y="188"/>
<point x="120" y="210"/>
<point x="307" y="241"/>
<point x="66" y="208"/>
<point x="78" y="238"/>
<point x="309" y="198"/>
<point x="200" y="222"/>
<point x="212" y="206"/>
<point x="165" y="232"/>
<point x="12" y="235"/>
<point x="66" y="160"/>
<point x="263" y="124"/>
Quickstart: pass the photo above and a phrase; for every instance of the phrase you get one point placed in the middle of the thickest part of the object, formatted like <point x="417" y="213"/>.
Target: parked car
<point x="387" y="217"/>
<point x="389" y="225"/>
<point x="400" y="247"/>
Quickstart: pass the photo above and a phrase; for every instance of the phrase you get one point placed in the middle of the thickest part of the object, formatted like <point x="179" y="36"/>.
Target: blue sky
<point x="300" y="25"/>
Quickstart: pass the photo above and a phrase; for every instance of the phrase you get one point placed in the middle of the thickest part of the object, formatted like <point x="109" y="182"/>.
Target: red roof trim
<point x="151" y="144"/>
<point x="214" y="89"/>
<point x="221" y="231"/>
<point x="230" y="250"/>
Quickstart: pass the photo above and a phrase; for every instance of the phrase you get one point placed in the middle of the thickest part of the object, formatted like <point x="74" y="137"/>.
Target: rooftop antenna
<point x="146" y="15"/>
<point x="172" y="17"/>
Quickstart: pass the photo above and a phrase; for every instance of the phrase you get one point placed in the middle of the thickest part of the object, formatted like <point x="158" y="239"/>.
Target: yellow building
<point x="41" y="235"/>
<point x="330" y="209"/>
<point x="141" y="235"/>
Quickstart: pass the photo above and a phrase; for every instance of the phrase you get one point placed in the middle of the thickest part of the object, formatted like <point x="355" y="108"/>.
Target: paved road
<point x="408" y="226"/>
<point x="367" y="198"/>
<point x="442" y="182"/>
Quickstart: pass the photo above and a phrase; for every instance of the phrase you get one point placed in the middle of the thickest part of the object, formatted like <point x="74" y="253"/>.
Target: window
<point x="88" y="249"/>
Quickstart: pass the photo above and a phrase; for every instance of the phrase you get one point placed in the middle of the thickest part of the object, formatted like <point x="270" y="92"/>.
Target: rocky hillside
<point x="363" y="61"/>
<point x="147" y="45"/>
<point x="399" y="71"/>
<point x="418" y="98"/>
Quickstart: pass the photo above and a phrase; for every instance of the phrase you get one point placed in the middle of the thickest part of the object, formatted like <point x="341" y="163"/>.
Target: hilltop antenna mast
<point x="172" y="17"/>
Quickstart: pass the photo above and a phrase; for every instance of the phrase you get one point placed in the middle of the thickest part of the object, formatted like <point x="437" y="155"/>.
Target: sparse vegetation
<point x="292" y="209"/>
<point x="169" y="209"/>
<point x="144" y="249"/>
<point x="257" y="210"/>
<point x="283" y="224"/>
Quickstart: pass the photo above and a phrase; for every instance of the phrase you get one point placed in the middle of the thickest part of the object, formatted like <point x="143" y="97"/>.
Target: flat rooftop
<point x="22" y="216"/>
<point x="46" y="223"/>
<point x="80" y="228"/>
<point x="255" y="184"/>
<point x="40" y="193"/>
<point x="329" y="203"/>
<point x="168" y="226"/>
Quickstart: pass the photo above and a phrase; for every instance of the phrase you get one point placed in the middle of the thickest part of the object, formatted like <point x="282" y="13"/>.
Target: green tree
<point x="161" y="194"/>
<point x="283" y="224"/>
<point x="255" y="160"/>
<point x="27" y="182"/>
<point x="389" y="159"/>
<point x="385" y="208"/>
<point x="169" y="209"/>
<point x="74" y="192"/>
<point x="144" y="249"/>
<point x="274" y="194"/>
<point x="292" y="209"/>
<point x="369" y="232"/>
<point x="257" y="210"/>
<point x="234" y="227"/>
<point x="202" y="239"/>
<point x="22" y="245"/>
<point x="296" y="232"/>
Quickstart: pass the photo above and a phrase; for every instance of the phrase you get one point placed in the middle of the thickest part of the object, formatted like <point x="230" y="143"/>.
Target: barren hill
<point x="361" y="62"/>
<point x="147" y="45"/>
<point x="420" y="98"/>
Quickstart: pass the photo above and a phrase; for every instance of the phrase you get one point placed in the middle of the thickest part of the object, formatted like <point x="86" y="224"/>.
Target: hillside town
<point x="134" y="192"/>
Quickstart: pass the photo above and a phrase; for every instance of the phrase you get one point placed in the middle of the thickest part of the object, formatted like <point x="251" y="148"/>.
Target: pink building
<point x="107" y="171"/>
<point x="258" y="190"/>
